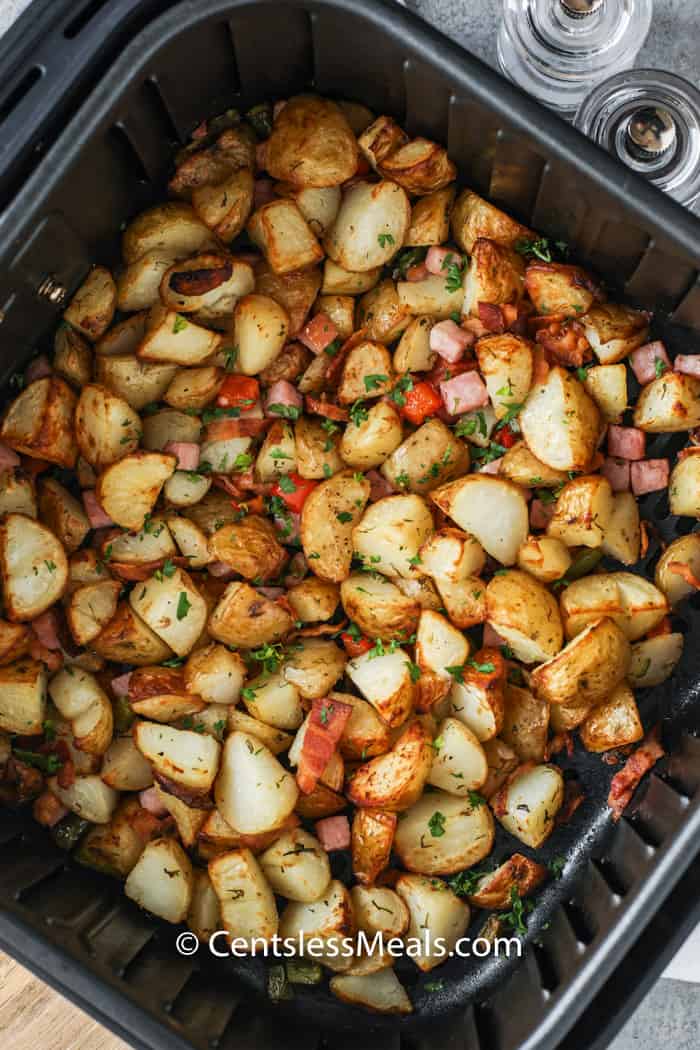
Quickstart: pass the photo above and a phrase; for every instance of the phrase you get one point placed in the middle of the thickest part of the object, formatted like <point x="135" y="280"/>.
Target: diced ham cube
<point x="464" y="393"/>
<point x="220" y="569"/>
<point x="626" y="442"/>
<point x="492" y="639"/>
<point x="333" y="833"/>
<point x="187" y="453"/>
<point x="282" y="393"/>
<point x="120" y="685"/>
<point x="263" y="193"/>
<point x="649" y="361"/>
<point x="438" y="259"/>
<point x="318" y="333"/>
<point x="494" y="467"/>
<point x="8" y="457"/>
<point x="45" y="627"/>
<point x="150" y="800"/>
<point x="39" y="368"/>
<point x="617" y="471"/>
<point x="379" y="486"/>
<point x="98" y="518"/>
<point x="688" y="364"/>
<point x="450" y="341"/>
<point x="649" y="475"/>
<point x="416" y="274"/>
<point x="540" y="514"/>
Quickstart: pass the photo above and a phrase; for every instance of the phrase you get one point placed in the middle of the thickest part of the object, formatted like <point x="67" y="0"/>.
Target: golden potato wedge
<point x="174" y="339"/>
<point x="91" y="608"/>
<point x="419" y="166"/>
<point x="253" y="791"/>
<point x="204" y="916"/>
<point x="370" y="227"/>
<point x="311" y="144"/>
<point x="413" y="354"/>
<point x="623" y="536"/>
<point x="522" y="467"/>
<point x="391" y="533"/>
<point x="127" y="639"/>
<point x="325" y="924"/>
<point x="169" y="425"/>
<point x="473" y="218"/>
<point x="80" y="700"/>
<point x="439" y="645"/>
<point x="379" y="909"/>
<point x="72" y="358"/>
<point x="284" y="237"/>
<point x="295" y="292"/>
<point x="525" y="723"/>
<point x="172" y="227"/>
<point x="367" y="373"/>
<point x="495" y="275"/>
<point x="528" y="803"/>
<point x="583" y="512"/>
<point x="272" y="738"/>
<point x="560" y="422"/>
<point x="128" y="490"/>
<point x="518" y="873"/>
<point x="316" y="448"/>
<point x="476" y="697"/>
<point x="558" y="288"/>
<point x="430" y="219"/>
<point x="92" y="307"/>
<point x="278" y="452"/>
<point x="313" y="666"/>
<point x="378" y="607"/>
<point x="587" y="669"/>
<point x="680" y="559"/>
<point x="180" y="758"/>
<point x="272" y="700"/>
<point x="39" y="422"/>
<point x="632" y="601"/>
<point x="260" y="327"/>
<point x="386" y="682"/>
<point x="172" y="607"/>
<point x="438" y="918"/>
<point x="668" y="404"/>
<point x="62" y="513"/>
<point x="684" y="486"/>
<point x="139" y="383"/>
<point x="106" y="426"/>
<point x="245" y="618"/>
<point x="441" y="834"/>
<point x="614" y="331"/>
<point x="88" y="796"/>
<point x="526" y="615"/>
<point x="33" y="566"/>
<point x="505" y="362"/>
<point x="249" y="547"/>
<point x="138" y="286"/>
<point x="502" y="760"/>
<point x="366" y="442"/>
<point x="434" y="295"/>
<point x="395" y="780"/>
<point x="655" y="659"/>
<point x="318" y="205"/>
<point x="296" y="866"/>
<point x="614" y="723"/>
<point x="452" y="555"/>
<point x="23" y="697"/>
<point x="491" y="509"/>
<point x="313" y="600"/>
<point x="18" y="494"/>
<point x="459" y="765"/>
<point x="226" y="206"/>
<point x="607" y="385"/>
<point x="248" y="909"/>
<point x="340" y="309"/>
<point x="382" y="314"/>
<point x="329" y="521"/>
<point x="365" y="735"/>
<point x="14" y="641"/>
<point x="545" y="558"/>
<point x="161" y="880"/>
<point x="194" y="388"/>
<point x="430" y="456"/>
<point x="338" y="281"/>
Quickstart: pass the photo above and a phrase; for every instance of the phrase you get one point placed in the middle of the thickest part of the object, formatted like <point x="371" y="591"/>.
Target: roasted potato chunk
<point x="39" y="422"/>
<point x="245" y="619"/>
<point x="92" y="307"/>
<point x="370" y="227"/>
<point x="474" y="218"/>
<point x="250" y="547"/>
<point x="587" y="669"/>
<point x="327" y="520"/>
<point x="560" y="422"/>
<point x="311" y="144"/>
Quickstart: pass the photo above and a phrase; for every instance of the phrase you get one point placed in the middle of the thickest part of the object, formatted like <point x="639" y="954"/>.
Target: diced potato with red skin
<point x="394" y="781"/>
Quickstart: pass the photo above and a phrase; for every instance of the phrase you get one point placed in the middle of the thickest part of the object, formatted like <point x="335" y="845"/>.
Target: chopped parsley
<point x="344" y="516"/>
<point x="358" y="413"/>
<point x="413" y="670"/>
<point x="183" y="605"/>
<point x="285" y="411"/>
<point x="375" y="380"/>
<point x="385" y="239"/>
<point x="286" y="484"/>
<point x="179" y="324"/>
<point x="436" y="824"/>
<point x="455" y="272"/>
<point x="542" y="248"/>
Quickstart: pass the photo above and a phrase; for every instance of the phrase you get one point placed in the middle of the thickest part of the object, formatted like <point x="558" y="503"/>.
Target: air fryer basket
<point x="74" y="927"/>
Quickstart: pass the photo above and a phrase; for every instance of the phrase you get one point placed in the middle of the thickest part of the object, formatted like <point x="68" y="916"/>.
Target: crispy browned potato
<point x="557" y="288"/>
<point x="518" y="873"/>
<point x="394" y="781"/>
<point x="614" y="723"/>
<point x="33" y="566"/>
<point x="209" y="165"/>
<point x="226" y="207"/>
<point x="430" y="219"/>
<point x="72" y="357"/>
<point x="246" y="619"/>
<point x="284" y="237"/>
<point x="311" y="144"/>
<point x="560" y="422"/>
<point x="669" y="404"/>
<point x="365" y="734"/>
<point x="381" y="313"/>
<point x="250" y="547"/>
<point x="420" y="166"/>
<point x="23" y="697"/>
<point x="495" y="275"/>
<point x="583" y="512"/>
<point x="327" y="521"/>
<point x="465" y="834"/>
<point x="63" y="514"/>
<point x="296" y="292"/>
<point x="127" y="639"/>
<point x="614" y="331"/>
<point x="91" y="608"/>
<point x="92" y="307"/>
<point x="473" y="218"/>
<point x="14" y="641"/>
<point x="587" y="669"/>
<point x="172" y="338"/>
<point x="429" y="457"/>
<point x="106" y="427"/>
<point x="505" y="362"/>
<point x="370" y="227"/>
<point x="128" y="490"/>
<point x="525" y="614"/>
<point x="372" y="838"/>
<point x="525" y="723"/>
<point x="313" y="600"/>
<point x="378" y="607"/>
<point x="39" y="422"/>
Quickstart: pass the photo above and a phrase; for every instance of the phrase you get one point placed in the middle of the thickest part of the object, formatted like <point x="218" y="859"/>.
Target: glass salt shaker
<point x="650" y="120"/>
<point x="557" y="50"/>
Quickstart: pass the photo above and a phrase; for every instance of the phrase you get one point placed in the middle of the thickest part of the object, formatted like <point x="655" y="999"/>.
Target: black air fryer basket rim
<point x="555" y="138"/>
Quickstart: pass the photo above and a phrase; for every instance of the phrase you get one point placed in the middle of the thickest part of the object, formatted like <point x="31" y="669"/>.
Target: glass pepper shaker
<point x="557" y="50"/>
<point x="650" y="120"/>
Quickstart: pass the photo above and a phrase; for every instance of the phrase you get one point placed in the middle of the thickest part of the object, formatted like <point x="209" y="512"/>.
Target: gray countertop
<point x="670" y="1014"/>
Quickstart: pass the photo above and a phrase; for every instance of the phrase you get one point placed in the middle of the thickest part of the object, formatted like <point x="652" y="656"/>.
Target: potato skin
<point x="250" y="547"/>
<point x="394" y="781"/>
<point x="379" y="608"/>
<point x="669" y="404"/>
<point x="246" y="619"/>
<point x="429" y="457"/>
<point x="473" y="217"/>
<point x="326" y="534"/>
<point x="521" y="873"/>
<point x="526" y="614"/>
<point x="39" y="422"/>
<point x="372" y="838"/>
<point x="587" y="669"/>
<point x="311" y="144"/>
<point x="560" y="422"/>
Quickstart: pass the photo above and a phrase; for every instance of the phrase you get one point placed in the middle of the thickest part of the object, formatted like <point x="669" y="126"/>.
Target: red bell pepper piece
<point x="238" y="392"/>
<point x="355" y="646"/>
<point x="294" y="490"/>
<point x="504" y="436"/>
<point x="422" y="401"/>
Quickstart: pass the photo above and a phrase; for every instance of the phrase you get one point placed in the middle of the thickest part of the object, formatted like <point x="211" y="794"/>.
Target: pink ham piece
<point x="449" y="340"/>
<point x="273" y="593"/>
<point x="626" y="442"/>
<point x="494" y="467"/>
<point x="264" y="192"/>
<point x="323" y="731"/>
<point x="644" y="361"/>
<point x="187" y="453"/>
<point x="45" y="627"/>
<point x="220" y="569"/>
<point x="540" y="514"/>
<point x="492" y="639"/>
<point x="318" y="333"/>
<point x="98" y="518"/>
<point x="39" y="368"/>
<point x="333" y="833"/>
<point x="617" y="471"/>
<point x="379" y="486"/>
<point x="464" y="393"/>
<point x="150" y="800"/>
<point x="282" y="393"/>
<point x="438" y="259"/>
<point x="416" y="274"/>
<point x="8" y="457"/>
<point x="688" y="364"/>
<point x="649" y="475"/>
<point x="120" y="685"/>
